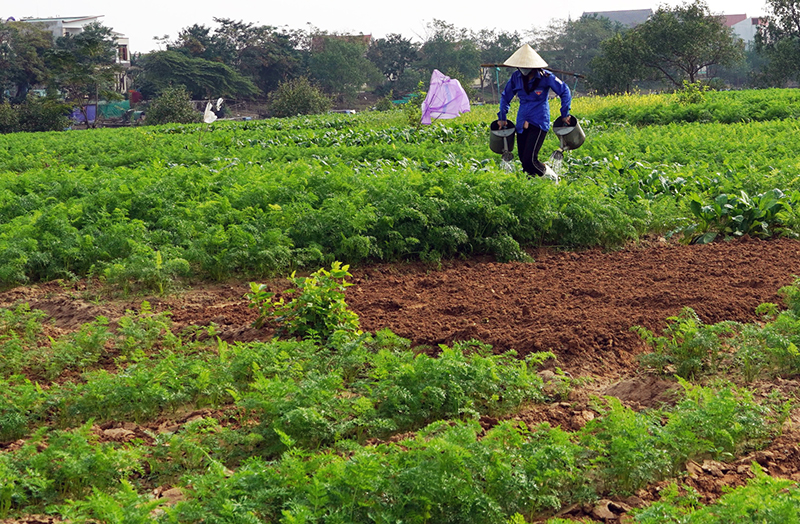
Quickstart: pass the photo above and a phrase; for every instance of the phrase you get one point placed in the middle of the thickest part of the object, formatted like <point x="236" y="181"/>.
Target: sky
<point x="142" y="20"/>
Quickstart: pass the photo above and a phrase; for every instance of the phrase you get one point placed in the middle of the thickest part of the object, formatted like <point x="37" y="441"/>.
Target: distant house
<point x="73" y="25"/>
<point x="743" y="26"/>
<point x="628" y="18"/>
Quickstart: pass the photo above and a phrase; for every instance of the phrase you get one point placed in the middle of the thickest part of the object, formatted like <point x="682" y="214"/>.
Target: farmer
<point x="531" y="82"/>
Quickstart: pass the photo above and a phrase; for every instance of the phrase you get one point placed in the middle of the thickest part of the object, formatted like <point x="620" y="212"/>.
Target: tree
<point x="298" y="97"/>
<point x="340" y="66"/>
<point x="450" y="50"/>
<point x="85" y="66"/>
<point x="263" y="54"/>
<point x="23" y="50"/>
<point x="571" y="45"/>
<point x="197" y="41"/>
<point x="495" y="47"/>
<point x="618" y="65"/>
<point x="778" y="41"/>
<point x="681" y="42"/>
<point x="271" y="57"/>
<point x="749" y="72"/>
<point x="392" y="56"/>
<point x="202" y="78"/>
<point x="173" y="105"/>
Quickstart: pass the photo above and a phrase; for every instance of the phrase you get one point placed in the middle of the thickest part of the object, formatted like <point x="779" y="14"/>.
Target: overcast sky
<point x="142" y="20"/>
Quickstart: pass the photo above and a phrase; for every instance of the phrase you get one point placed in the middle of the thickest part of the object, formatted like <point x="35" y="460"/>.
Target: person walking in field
<point x="531" y="83"/>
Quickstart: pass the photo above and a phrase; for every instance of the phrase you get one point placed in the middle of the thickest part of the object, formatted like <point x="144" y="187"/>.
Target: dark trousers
<point x="529" y="142"/>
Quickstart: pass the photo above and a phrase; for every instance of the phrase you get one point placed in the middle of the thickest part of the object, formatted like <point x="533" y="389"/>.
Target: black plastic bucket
<point x="501" y="140"/>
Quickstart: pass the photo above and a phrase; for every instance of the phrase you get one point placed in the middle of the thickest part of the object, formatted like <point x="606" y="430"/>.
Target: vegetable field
<point x="454" y="342"/>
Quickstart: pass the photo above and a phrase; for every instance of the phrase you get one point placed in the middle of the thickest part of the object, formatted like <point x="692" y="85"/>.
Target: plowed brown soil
<point x="579" y="305"/>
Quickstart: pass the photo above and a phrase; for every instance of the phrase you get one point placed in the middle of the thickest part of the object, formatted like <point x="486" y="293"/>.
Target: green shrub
<point x="34" y="114"/>
<point x="69" y="464"/>
<point x="764" y="500"/>
<point x="692" y="93"/>
<point x="172" y="106"/>
<point x="318" y="311"/>
<point x="43" y="114"/>
<point x="689" y="347"/>
<point x="760" y="216"/>
<point x="9" y="118"/>
<point x="385" y="103"/>
<point x="121" y="506"/>
<point x="298" y="97"/>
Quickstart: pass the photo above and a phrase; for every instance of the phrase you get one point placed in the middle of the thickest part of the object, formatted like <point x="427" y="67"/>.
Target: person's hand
<point x="569" y="120"/>
<point x="501" y="124"/>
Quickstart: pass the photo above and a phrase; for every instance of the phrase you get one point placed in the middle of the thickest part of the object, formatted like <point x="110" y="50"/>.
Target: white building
<point x="73" y="25"/>
<point x="743" y="26"/>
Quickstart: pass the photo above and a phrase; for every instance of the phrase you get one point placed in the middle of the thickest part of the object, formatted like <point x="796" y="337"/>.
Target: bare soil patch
<point x="579" y="305"/>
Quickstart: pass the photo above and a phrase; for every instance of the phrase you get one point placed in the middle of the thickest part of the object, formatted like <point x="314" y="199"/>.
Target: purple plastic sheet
<point x="91" y="112"/>
<point x="446" y="98"/>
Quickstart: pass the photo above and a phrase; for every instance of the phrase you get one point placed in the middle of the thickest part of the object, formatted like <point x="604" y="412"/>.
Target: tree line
<point x="244" y="61"/>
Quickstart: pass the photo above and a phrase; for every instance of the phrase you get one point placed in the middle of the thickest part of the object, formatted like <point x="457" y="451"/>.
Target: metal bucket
<point x="501" y="140"/>
<point x="569" y="136"/>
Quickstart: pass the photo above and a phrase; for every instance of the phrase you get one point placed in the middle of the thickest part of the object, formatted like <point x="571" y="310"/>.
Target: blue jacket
<point x="534" y="107"/>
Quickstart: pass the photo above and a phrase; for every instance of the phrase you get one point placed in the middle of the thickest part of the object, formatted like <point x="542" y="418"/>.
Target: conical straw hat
<point x="525" y="56"/>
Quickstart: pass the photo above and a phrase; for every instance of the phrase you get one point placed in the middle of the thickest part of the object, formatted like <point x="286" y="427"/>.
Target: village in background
<point x="263" y="71"/>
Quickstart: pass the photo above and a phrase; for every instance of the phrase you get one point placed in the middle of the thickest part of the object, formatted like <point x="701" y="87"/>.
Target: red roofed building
<point x="743" y="26"/>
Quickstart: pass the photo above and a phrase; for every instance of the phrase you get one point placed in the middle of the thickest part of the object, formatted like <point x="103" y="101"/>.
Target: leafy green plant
<point x="317" y="312"/>
<point x="145" y="270"/>
<point x="688" y="348"/>
<point x="24" y="405"/>
<point x="692" y="93"/>
<point x="735" y="216"/>
<point x="122" y="506"/>
<point x="298" y="97"/>
<point x="719" y="423"/>
<point x="791" y="295"/>
<point x="764" y="500"/>
<point x="73" y="463"/>
<point x="78" y="350"/>
<point x="20" y="487"/>
<point x="20" y="333"/>
<point x="139" y="332"/>
<point x="173" y="105"/>
<point x="625" y="448"/>
<point x="410" y="388"/>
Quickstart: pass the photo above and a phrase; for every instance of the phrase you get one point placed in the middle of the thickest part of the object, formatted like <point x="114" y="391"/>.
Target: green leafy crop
<point x="317" y="312"/>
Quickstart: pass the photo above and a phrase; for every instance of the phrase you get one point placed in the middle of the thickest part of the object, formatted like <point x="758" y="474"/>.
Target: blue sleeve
<point x="562" y="90"/>
<point x="505" y="99"/>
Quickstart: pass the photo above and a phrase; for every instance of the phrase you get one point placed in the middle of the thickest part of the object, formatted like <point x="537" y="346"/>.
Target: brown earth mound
<point x="579" y="305"/>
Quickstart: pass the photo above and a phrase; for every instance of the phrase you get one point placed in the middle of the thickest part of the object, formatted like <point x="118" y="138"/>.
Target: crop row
<point x="726" y="107"/>
<point x="294" y="437"/>
<point x="147" y="207"/>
